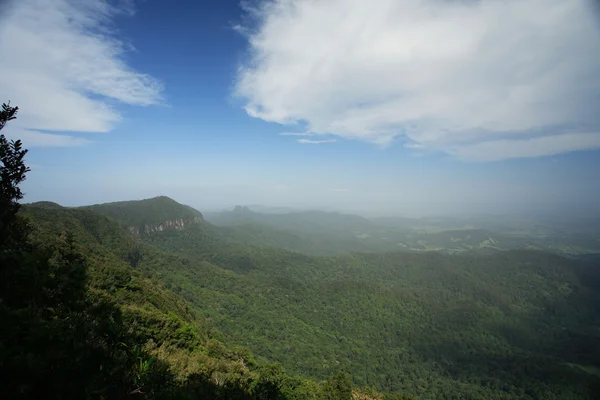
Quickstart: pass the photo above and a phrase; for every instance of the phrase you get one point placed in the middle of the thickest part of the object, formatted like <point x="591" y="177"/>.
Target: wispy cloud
<point x="42" y="139"/>
<point x="509" y="78"/>
<point x="309" y="141"/>
<point x="340" y="190"/>
<point x="280" y="187"/>
<point x="296" y="134"/>
<point x="541" y="146"/>
<point x="63" y="65"/>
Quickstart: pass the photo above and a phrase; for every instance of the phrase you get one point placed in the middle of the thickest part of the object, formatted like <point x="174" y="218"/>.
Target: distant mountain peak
<point x="151" y="215"/>
<point x="45" y="204"/>
<point x="242" y="209"/>
<point x="160" y="198"/>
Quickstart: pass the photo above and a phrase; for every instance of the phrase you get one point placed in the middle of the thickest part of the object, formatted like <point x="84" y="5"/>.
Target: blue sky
<point x="407" y="107"/>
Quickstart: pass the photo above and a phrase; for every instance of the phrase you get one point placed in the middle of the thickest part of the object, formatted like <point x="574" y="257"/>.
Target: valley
<point x="324" y="233"/>
<point x="508" y="322"/>
<point x="299" y="200"/>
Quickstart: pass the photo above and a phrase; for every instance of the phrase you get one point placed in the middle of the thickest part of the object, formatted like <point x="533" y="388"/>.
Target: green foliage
<point x="90" y="310"/>
<point x="146" y="212"/>
<point x="499" y="325"/>
<point x="80" y="321"/>
<point x="12" y="172"/>
<point x="54" y="335"/>
<point x="338" y="387"/>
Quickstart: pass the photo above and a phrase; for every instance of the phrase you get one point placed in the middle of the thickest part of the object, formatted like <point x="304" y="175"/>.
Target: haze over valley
<point x="300" y="200"/>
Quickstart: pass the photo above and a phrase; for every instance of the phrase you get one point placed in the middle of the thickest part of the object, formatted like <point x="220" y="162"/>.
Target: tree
<point x="57" y="339"/>
<point x="8" y="113"/>
<point x="12" y="172"/>
<point x="338" y="387"/>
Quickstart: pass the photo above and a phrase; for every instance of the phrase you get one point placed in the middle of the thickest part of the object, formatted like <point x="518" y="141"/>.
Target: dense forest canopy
<point x="282" y="306"/>
<point x="80" y="321"/>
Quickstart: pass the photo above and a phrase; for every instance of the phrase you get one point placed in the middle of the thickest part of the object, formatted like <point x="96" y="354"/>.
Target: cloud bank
<point x="63" y="65"/>
<point x="478" y="80"/>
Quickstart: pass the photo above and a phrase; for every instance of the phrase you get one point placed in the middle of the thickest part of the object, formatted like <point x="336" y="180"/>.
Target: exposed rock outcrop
<point x="172" y="224"/>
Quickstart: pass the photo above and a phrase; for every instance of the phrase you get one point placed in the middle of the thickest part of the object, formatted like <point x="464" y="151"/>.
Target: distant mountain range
<point x="319" y="232"/>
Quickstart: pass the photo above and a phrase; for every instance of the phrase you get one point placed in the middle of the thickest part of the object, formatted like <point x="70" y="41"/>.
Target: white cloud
<point x="533" y="147"/>
<point x="441" y="75"/>
<point x="296" y="134"/>
<point x="309" y="141"/>
<point x="42" y="139"/>
<point x="63" y="66"/>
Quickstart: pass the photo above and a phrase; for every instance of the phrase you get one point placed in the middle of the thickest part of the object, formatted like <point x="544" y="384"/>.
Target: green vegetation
<point x="498" y="325"/>
<point x="79" y="321"/>
<point x="311" y="232"/>
<point x="92" y="308"/>
<point x="329" y="233"/>
<point x="587" y="368"/>
<point x="145" y="216"/>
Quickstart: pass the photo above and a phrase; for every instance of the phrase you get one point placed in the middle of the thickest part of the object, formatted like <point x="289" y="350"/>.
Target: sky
<point x="400" y="107"/>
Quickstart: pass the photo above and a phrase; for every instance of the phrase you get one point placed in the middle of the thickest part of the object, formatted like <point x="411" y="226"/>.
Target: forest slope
<point x="517" y="324"/>
<point x="176" y="353"/>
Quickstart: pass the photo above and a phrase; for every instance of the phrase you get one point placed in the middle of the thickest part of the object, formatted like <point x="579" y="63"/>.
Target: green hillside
<point x="153" y="211"/>
<point x="146" y="299"/>
<point x="181" y="354"/>
<point x="85" y="314"/>
<point x="503" y="325"/>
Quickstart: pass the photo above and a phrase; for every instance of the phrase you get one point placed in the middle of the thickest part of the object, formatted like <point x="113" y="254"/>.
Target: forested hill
<point x="103" y="324"/>
<point x="149" y="215"/>
<point x="508" y="325"/>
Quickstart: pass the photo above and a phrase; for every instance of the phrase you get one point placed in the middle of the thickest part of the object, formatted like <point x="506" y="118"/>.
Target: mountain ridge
<point x="147" y="216"/>
<point x="329" y="233"/>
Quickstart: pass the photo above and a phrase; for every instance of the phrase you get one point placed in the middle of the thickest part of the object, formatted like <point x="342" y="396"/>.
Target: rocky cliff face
<point x="172" y="224"/>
